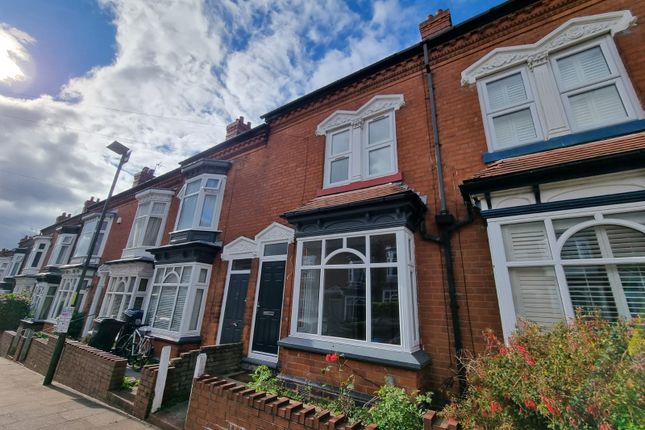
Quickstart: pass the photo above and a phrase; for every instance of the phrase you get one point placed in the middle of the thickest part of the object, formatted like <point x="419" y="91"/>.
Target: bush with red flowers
<point x="588" y="374"/>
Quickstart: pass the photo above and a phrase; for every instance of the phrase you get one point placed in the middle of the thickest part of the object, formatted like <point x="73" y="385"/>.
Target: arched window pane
<point x="583" y="244"/>
<point x="625" y="241"/>
<point x="172" y="278"/>
<point x="345" y="258"/>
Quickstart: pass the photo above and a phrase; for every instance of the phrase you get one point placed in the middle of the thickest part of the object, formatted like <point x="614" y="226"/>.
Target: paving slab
<point x="25" y="404"/>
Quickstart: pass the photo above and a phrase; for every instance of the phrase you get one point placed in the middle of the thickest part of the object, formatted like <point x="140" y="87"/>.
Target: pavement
<point x="25" y="404"/>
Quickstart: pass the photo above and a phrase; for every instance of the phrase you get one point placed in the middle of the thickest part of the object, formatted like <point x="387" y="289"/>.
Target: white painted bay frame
<point x="109" y="218"/>
<point x="40" y="246"/>
<point x="151" y="196"/>
<point x="199" y="206"/>
<point x="275" y="233"/>
<point x="229" y="273"/>
<point x="501" y="266"/>
<point x="193" y="285"/>
<point x="406" y="272"/>
<point x="60" y="256"/>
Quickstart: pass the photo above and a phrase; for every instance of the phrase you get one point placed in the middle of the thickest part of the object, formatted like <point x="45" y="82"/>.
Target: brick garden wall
<point x="81" y="367"/>
<point x="220" y="360"/>
<point x="219" y="403"/>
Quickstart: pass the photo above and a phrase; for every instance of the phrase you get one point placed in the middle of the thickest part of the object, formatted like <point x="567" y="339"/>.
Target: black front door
<point x="234" y="310"/>
<point x="269" y="308"/>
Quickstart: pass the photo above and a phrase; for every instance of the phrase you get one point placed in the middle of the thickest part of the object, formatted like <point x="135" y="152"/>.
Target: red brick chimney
<point x="237" y="127"/>
<point x="144" y="175"/>
<point x="435" y="24"/>
<point x="89" y="203"/>
<point x="62" y="217"/>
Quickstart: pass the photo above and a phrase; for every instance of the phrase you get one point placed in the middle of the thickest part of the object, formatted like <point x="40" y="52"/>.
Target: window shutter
<point x="597" y="107"/>
<point x="514" y="129"/>
<point x="590" y="290"/>
<point x="506" y="92"/>
<point x="625" y="241"/>
<point x="165" y="307"/>
<point x="526" y="241"/>
<point x="633" y="279"/>
<point x="583" y="68"/>
<point x="536" y="295"/>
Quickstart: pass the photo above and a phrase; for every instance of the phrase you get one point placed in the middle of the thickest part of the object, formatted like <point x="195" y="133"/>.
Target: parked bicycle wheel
<point x="143" y="354"/>
<point x="123" y="347"/>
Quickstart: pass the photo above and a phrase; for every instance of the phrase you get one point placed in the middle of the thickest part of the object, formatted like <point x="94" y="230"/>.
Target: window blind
<point x="526" y="241"/>
<point x="536" y="295"/>
<point x="583" y="244"/>
<point x="625" y="242"/>
<point x="506" y="92"/>
<point x="590" y="290"/>
<point x="597" y="107"/>
<point x="583" y="68"/>
<point x="633" y="279"/>
<point x="514" y="128"/>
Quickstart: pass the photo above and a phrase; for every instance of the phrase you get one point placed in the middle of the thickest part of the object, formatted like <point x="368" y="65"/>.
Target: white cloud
<point x="191" y="66"/>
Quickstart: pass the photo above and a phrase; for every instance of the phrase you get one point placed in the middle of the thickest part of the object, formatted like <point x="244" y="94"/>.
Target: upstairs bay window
<point x="149" y="222"/>
<point x="16" y="262"/>
<point x="37" y="254"/>
<point x="358" y="289"/>
<point x="85" y="238"/>
<point x="62" y="250"/>
<point x="572" y="80"/>
<point x="201" y="202"/>
<point x="361" y="144"/>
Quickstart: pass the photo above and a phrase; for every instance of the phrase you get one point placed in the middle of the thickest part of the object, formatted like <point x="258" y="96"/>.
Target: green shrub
<point x="396" y="410"/>
<point x="262" y="379"/>
<point x="588" y="374"/>
<point x="13" y="308"/>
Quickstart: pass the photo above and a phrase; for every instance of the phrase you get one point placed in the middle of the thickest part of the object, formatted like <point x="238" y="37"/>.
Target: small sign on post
<point x="65" y="317"/>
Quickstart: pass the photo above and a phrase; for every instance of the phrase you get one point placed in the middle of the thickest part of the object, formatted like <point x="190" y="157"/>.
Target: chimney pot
<point x="435" y="24"/>
<point x="143" y="176"/>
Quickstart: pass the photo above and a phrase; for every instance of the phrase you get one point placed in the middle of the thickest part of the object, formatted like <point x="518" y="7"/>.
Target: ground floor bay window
<point x="42" y="299"/>
<point x="549" y="265"/>
<point x="65" y="292"/>
<point x="177" y="299"/>
<point x="357" y="289"/>
<point x="124" y="292"/>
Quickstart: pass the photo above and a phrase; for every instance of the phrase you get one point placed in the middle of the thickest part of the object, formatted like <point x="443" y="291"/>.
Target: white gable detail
<point x="240" y="248"/>
<point x="572" y="32"/>
<point x="275" y="232"/>
<point x="355" y="118"/>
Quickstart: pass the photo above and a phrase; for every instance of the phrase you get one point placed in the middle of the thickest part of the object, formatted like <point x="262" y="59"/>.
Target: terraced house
<point x="494" y="170"/>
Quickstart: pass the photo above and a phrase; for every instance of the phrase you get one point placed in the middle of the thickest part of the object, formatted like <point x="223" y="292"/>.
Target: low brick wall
<point x="81" y="367"/>
<point x="222" y="404"/>
<point x="5" y="342"/>
<point x="220" y="360"/>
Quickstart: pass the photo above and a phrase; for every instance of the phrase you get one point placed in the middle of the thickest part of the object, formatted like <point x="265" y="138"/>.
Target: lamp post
<point x="124" y="152"/>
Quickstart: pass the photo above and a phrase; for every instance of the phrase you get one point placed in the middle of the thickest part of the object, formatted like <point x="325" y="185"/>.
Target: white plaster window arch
<point x="361" y="144"/>
<point x="346" y="250"/>
<point x="592" y="223"/>
<point x="273" y="234"/>
<point x="548" y="103"/>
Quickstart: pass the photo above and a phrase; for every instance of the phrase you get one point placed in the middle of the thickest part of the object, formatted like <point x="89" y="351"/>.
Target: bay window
<point x="357" y="288"/>
<point x="65" y="292"/>
<point x="177" y="299"/>
<point x="42" y="299"/>
<point x="150" y="219"/>
<point x="16" y="262"/>
<point x="85" y="238"/>
<point x="62" y="250"/>
<point x="552" y="265"/>
<point x="124" y="292"/>
<point x="201" y="202"/>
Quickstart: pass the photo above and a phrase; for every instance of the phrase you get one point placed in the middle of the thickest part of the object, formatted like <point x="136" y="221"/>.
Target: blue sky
<point x="164" y="77"/>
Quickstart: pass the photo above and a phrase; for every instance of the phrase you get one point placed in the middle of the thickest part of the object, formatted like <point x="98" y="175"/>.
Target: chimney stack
<point x="62" y="217"/>
<point x="89" y="203"/>
<point x="435" y="24"/>
<point x="237" y="127"/>
<point x="143" y="176"/>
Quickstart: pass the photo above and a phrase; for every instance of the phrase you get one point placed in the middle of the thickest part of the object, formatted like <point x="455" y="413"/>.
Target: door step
<point x="122" y="399"/>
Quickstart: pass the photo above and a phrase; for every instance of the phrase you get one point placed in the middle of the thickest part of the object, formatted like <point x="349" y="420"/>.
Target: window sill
<point x="568" y="140"/>
<point x="373" y="354"/>
<point x="174" y="337"/>
<point x="360" y="184"/>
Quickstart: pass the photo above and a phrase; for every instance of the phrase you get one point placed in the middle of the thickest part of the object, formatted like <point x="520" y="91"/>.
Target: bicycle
<point x="135" y="345"/>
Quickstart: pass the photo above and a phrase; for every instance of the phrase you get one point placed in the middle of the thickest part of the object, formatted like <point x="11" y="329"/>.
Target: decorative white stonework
<point x="571" y="33"/>
<point x="377" y="104"/>
<point x="240" y="248"/>
<point x="275" y="232"/>
<point x="154" y="195"/>
<point x="136" y="268"/>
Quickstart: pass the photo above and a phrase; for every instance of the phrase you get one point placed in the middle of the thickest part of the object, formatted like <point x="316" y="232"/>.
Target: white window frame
<point x="489" y="114"/>
<point x="76" y="257"/>
<point x="537" y="60"/>
<point x="16" y="263"/>
<point x="618" y="77"/>
<point x="128" y="297"/>
<point x="501" y="266"/>
<point x="41" y="292"/>
<point x="58" y="247"/>
<point x="148" y="196"/>
<point x="406" y="270"/>
<point x="199" y="207"/>
<point x="65" y="292"/>
<point x="357" y="124"/>
<point x="41" y="245"/>
<point x="193" y="285"/>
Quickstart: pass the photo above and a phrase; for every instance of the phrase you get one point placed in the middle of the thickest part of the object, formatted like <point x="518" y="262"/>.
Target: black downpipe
<point x="447" y="225"/>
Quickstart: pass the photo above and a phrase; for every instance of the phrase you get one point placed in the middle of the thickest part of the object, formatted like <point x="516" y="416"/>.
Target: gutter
<point x="447" y="225"/>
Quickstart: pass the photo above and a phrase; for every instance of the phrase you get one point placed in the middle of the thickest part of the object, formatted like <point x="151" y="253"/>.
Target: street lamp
<point x="124" y="152"/>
